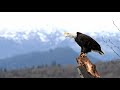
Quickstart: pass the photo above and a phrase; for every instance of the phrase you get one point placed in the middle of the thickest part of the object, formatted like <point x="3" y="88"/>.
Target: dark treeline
<point x="106" y="69"/>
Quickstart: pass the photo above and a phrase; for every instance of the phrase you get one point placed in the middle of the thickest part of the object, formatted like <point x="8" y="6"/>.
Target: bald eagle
<point x="86" y="43"/>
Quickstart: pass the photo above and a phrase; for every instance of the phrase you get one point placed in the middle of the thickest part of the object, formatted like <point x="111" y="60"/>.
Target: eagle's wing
<point x="87" y="40"/>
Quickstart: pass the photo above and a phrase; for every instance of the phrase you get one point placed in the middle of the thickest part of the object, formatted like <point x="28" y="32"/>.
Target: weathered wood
<point x="80" y="73"/>
<point x="86" y="68"/>
<point x="84" y="73"/>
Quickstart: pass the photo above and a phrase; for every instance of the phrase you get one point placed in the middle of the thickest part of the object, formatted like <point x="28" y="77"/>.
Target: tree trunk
<point x="85" y="68"/>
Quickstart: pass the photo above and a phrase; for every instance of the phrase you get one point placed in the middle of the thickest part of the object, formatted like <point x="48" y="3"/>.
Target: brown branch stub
<point x="90" y="68"/>
<point x="80" y="73"/>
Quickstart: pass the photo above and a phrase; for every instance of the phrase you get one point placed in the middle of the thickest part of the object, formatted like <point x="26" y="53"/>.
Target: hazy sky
<point x="71" y="21"/>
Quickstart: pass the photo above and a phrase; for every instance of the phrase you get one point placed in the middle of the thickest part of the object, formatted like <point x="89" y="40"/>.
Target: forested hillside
<point x="106" y="69"/>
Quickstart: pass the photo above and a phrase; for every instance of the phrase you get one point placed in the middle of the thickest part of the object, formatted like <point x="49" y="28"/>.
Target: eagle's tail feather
<point x="101" y="52"/>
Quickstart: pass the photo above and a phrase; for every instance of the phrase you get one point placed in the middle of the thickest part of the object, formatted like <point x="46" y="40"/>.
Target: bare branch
<point x="113" y="44"/>
<point x="103" y="39"/>
<point x="115" y="25"/>
<point x="113" y="50"/>
<point x="110" y="46"/>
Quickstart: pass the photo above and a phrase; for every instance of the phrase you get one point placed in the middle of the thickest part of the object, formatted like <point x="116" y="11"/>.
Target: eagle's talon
<point x="82" y="55"/>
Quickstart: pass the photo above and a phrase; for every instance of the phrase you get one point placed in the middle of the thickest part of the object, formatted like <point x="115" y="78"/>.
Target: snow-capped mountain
<point x="22" y="42"/>
<point x="13" y="43"/>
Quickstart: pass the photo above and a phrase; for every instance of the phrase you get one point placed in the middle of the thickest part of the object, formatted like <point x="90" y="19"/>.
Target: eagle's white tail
<point x="101" y="52"/>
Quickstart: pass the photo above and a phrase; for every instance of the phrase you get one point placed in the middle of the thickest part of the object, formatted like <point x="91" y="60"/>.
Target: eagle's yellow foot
<point x="82" y="55"/>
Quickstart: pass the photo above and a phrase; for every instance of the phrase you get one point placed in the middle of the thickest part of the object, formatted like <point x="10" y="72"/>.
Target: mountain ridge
<point x="12" y="44"/>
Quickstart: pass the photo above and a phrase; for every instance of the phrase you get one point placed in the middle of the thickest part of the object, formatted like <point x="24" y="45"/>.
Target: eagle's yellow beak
<point x="66" y="33"/>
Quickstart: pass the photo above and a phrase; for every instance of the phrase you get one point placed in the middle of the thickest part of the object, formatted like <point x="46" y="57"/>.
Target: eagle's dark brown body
<point x="87" y="44"/>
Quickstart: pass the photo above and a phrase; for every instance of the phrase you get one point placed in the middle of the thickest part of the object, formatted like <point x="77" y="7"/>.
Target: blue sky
<point x="70" y="21"/>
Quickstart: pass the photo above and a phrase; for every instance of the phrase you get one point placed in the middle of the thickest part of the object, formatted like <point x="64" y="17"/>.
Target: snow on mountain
<point x="12" y="43"/>
<point x="43" y="37"/>
<point x="42" y="34"/>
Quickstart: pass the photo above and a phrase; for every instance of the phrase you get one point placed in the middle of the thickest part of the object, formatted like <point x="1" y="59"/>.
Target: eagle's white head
<point x="71" y="35"/>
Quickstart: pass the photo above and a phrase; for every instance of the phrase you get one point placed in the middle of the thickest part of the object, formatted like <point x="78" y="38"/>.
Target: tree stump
<point x="87" y="69"/>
